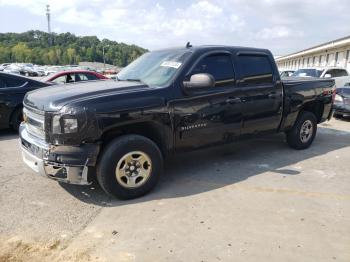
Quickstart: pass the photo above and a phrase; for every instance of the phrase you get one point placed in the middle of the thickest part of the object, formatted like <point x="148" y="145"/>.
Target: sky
<point x="283" y="26"/>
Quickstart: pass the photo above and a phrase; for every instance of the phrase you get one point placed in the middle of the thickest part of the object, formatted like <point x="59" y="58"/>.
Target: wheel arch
<point x="158" y="133"/>
<point x="14" y="110"/>
<point x="316" y="107"/>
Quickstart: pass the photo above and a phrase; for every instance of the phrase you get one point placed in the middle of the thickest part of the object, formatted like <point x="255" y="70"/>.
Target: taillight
<point x="334" y="90"/>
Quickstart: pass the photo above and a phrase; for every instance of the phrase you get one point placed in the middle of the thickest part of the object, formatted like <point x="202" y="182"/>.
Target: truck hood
<point x="55" y="97"/>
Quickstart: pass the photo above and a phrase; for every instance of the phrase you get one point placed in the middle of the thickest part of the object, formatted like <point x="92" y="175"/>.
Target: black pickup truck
<point x="165" y="102"/>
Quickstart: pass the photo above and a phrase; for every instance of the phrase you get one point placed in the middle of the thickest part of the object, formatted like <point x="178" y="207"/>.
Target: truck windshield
<point x="308" y="73"/>
<point x="154" y="68"/>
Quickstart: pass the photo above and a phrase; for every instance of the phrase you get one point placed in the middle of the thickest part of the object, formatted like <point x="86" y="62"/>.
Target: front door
<point x="210" y="116"/>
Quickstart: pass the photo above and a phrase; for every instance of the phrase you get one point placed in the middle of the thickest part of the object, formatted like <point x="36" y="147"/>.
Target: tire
<point x="337" y="115"/>
<point x="113" y="167"/>
<point x="16" y="119"/>
<point x="298" y="139"/>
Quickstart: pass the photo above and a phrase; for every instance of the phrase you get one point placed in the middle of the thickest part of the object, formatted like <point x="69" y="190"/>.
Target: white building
<point x="334" y="53"/>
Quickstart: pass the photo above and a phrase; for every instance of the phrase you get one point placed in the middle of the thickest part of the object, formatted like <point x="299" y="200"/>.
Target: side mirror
<point x="200" y="81"/>
<point x="327" y="76"/>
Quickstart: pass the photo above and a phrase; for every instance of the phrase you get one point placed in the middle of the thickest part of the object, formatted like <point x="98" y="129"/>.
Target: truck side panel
<point x="309" y="94"/>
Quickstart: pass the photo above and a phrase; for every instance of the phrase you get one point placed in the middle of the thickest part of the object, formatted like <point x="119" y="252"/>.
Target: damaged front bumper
<point x="68" y="164"/>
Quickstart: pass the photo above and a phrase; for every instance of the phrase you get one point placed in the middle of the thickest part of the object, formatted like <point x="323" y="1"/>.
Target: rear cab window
<point x="254" y="69"/>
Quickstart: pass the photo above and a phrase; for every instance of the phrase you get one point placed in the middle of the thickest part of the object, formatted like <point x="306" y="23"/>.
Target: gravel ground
<point x="255" y="200"/>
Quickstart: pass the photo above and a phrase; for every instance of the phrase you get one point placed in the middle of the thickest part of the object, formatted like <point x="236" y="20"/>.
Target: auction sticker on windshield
<point x="171" y="64"/>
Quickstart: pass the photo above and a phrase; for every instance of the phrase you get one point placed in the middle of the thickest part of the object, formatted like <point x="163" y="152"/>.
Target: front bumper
<point x="66" y="164"/>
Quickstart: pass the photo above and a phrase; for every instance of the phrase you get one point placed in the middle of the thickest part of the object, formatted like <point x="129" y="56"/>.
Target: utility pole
<point x="48" y="23"/>
<point x="104" y="59"/>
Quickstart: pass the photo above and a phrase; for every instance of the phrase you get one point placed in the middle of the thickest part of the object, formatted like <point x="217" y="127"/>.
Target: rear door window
<point x="91" y="76"/>
<point x="254" y="69"/>
<point x="81" y="77"/>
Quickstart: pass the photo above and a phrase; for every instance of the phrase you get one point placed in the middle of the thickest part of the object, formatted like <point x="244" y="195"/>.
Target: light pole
<point x="48" y="16"/>
<point x="104" y="59"/>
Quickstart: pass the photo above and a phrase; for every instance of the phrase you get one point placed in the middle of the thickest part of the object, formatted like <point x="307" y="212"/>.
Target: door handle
<point x="233" y="100"/>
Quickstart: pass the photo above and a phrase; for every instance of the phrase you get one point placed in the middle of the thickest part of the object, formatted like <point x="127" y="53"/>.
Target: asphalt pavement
<point x="255" y="200"/>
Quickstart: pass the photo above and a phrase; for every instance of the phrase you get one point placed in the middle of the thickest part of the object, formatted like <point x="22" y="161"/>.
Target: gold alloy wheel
<point x="133" y="169"/>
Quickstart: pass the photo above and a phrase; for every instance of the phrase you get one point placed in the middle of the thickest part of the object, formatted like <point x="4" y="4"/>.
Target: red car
<point x="72" y="76"/>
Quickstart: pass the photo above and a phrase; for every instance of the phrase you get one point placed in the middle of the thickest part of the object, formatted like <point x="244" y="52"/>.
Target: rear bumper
<point x="342" y="109"/>
<point x="65" y="164"/>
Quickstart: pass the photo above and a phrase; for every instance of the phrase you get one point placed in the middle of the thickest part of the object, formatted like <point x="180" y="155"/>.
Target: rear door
<point x="262" y="93"/>
<point x="210" y="116"/>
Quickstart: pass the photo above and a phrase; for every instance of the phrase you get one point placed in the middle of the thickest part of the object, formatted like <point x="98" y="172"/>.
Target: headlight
<point x="338" y="98"/>
<point x="70" y="125"/>
<point x="64" y="125"/>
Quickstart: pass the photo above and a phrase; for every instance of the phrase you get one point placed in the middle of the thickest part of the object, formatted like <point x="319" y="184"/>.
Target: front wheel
<point x="129" y="167"/>
<point x="303" y="132"/>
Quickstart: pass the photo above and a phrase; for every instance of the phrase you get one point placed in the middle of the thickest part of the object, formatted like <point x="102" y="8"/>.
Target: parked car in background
<point x="3" y="66"/>
<point x="340" y="75"/>
<point x="28" y="70"/>
<point x="341" y="104"/>
<point x="286" y="73"/>
<point x="72" y="76"/>
<point x="112" y="76"/>
<point x="12" y="91"/>
<point x="12" y="69"/>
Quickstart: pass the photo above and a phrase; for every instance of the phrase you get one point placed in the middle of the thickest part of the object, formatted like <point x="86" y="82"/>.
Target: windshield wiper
<point x="134" y="80"/>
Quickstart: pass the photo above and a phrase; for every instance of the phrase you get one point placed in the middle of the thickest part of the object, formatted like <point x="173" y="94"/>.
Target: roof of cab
<point x="217" y="47"/>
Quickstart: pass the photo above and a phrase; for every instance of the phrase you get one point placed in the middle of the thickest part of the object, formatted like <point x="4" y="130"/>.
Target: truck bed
<point x="299" y="91"/>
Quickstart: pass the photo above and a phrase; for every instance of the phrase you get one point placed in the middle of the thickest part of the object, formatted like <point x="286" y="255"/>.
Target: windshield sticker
<point x="172" y="64"/>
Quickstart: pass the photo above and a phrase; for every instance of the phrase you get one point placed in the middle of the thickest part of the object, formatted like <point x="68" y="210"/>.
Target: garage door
<point x="331" y="60"/>
<point x="341" y="59"/>
<point x="323" y="60"/>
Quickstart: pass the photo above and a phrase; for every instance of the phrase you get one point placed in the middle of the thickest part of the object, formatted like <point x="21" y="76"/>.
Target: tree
<point x="21" y="52"/>
<point x="33" y="46"/>
<point x="71" y="55"/>
<point x="5" y="53"/>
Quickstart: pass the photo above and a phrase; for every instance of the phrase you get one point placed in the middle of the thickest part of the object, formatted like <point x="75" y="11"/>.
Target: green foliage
<point x="66" y="48"/>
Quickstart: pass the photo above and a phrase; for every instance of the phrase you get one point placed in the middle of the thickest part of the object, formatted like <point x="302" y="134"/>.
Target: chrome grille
<point x="34" y="122"/>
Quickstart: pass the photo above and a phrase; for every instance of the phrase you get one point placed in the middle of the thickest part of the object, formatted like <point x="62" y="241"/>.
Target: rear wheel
<point x="337" y="115"/>
<point x="16" y="119"/>
<point x="303" y="132"/>
<point x="129" y="167"/>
